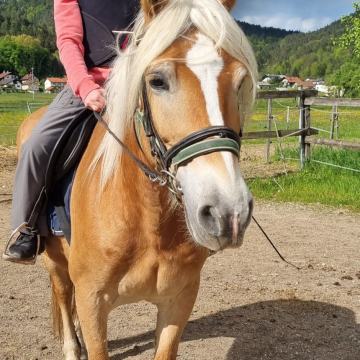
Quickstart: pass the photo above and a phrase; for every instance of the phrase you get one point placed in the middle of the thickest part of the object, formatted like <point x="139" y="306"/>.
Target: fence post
<point x="302" y="125"/>
<point x="269" y="119"/>
<point x="288" y="118"/>
<point x="307" y="110"/>
<point x="333" y="119"/>
<point x="337" y="122"/>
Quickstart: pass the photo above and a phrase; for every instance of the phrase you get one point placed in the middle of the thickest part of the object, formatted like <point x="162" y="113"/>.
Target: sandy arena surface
<point x="251" y="306"/>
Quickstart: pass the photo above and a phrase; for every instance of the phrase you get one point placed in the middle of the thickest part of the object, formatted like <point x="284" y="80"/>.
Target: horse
<point x="149" y="206"/>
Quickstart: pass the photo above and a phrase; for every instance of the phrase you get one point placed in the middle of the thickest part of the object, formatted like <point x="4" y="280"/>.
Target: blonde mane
<point x="146" y="43"/>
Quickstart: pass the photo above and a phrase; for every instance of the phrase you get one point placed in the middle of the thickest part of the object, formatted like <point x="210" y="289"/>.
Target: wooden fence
<point x="306" y="99"/>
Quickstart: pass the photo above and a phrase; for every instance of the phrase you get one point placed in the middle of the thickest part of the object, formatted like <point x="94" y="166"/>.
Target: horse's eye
<point x="158" y="83"/>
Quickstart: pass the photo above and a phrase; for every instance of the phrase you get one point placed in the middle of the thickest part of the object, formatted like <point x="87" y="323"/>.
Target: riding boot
<point x="27" y="246"/>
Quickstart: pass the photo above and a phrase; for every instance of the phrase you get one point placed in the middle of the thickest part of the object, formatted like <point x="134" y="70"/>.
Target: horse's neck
<point x="146" y="205"/>
<point x="131" y="207"/>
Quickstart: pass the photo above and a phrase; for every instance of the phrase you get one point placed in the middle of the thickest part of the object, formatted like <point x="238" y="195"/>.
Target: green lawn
<point x="349" y="118"/>
<point x="14" y="108"/>
<point x="316" y="183"/>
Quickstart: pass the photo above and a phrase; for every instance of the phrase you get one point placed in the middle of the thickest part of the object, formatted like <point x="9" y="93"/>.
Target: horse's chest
<point x="156" y="277"/>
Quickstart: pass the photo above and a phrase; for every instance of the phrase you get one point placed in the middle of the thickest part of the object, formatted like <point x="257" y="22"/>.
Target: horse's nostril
<point x="205" y="211"/>
<point x="211" y="220"/>
<point x="251" y="206"/>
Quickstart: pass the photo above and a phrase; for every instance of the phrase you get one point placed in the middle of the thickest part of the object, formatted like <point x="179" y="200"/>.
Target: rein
<point x="153" y="175"/>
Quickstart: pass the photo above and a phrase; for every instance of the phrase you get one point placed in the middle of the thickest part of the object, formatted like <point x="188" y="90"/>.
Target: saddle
<point x="61" y="171"/>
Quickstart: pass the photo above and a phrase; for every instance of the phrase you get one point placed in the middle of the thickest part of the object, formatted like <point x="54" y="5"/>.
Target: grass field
<point x="316" y="184"/>
<point x="349" y="118"/>
<point x="13" y="110"/>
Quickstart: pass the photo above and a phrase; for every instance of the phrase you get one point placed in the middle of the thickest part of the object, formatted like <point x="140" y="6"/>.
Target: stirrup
<point x="15" y="235"/>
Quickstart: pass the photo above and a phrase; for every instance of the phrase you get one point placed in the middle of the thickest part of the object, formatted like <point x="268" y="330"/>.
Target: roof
<point x="55" y="80"/>
<point x="309" y="84"/>
<point x="4" y="74"/>
<point x="29" y="77"/>
<point x="294" y="80"/>
<point x="6" y="81"/>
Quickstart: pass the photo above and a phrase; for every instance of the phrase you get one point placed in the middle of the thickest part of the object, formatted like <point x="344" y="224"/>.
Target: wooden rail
<point x="332" y="102"/>
<point x="334" y="143"/>
<point x="306" y="99"/>
<point x="278" y="134"/>
<point x="286" y="94"/>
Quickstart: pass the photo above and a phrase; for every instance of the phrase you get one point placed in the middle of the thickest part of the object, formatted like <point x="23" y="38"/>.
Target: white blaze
<point x="205" y="62"/>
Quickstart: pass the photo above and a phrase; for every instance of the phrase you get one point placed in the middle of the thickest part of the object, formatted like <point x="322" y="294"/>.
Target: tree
<point x="31" y="17"/>
<point x="21" y="53"/>
<point x="351" y="37"/>
<point x="347" y="77"/>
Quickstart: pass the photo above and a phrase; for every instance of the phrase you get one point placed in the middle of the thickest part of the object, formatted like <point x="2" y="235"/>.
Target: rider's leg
<point x="31" y="171"/>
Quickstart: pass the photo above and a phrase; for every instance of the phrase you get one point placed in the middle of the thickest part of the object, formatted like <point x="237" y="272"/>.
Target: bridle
<point x="202" y="142"/>
<point x="206" y="141"/>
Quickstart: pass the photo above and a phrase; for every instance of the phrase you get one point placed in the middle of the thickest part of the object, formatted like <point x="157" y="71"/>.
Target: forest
<point x="309" y="55"/>
<point x="316" y="55"/>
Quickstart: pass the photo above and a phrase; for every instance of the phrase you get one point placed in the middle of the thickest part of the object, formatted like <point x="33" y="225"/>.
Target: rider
<point x="85" y="38"/>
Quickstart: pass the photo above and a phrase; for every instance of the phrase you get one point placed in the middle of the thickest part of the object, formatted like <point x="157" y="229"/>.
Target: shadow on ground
<point x="277" y="330"/>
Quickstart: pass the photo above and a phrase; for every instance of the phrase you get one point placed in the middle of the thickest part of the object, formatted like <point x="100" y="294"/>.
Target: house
<point x="326" y="90"/>
<point x="4" y="74"/>
<point x="295" y="82"/>
<point x="262" y="85"/>
<point x="30" y="82"/>
<point x="292" y="81"/>
<point x="54" y="84"/>
<point x="8" y="80"/>
<point x="308" y="84"/>
<point x="269" y="81"/>
<point x="272" y="79"/>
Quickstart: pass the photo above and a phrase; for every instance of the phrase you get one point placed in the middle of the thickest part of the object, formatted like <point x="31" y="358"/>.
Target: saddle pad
<point x="58" y="210"/>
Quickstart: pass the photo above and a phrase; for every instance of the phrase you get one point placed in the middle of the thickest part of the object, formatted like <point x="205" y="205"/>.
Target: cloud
<point x="284" y="21"/>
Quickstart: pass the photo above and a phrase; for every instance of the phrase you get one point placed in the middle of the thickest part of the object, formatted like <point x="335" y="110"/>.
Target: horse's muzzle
<point x="226" y="225"/>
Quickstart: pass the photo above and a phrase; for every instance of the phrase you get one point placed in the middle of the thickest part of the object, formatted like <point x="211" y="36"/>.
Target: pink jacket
<point x="69" y="40"/>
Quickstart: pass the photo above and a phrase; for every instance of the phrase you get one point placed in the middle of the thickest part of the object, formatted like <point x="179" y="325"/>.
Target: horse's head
<point x="200" y="73"/>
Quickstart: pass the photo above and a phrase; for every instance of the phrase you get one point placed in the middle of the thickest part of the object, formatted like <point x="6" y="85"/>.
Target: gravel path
<point x="251" y="306"/>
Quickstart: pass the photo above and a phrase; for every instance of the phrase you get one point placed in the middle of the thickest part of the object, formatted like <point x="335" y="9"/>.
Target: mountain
<point x="263" y="40"/>
<point x="308" y="55"/>
<point x="30" y="17"/>
<point x="295" y="53"/>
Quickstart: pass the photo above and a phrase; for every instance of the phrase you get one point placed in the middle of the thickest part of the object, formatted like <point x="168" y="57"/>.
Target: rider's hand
<point x="95" y="100"/>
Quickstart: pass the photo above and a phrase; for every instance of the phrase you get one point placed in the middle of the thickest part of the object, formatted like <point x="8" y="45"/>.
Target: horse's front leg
<point x="173" y="315"/>
<point x="93" y="315"/>
<point x="62" y="293"/>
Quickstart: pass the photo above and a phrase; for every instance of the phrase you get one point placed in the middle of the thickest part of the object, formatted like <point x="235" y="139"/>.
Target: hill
<point x="308" y="55"/>
<point x="30" y="17"/>
<point x="263" y="40"/>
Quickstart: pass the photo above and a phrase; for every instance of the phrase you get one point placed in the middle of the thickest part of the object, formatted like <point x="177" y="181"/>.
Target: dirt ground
<point x="251" y="306"/>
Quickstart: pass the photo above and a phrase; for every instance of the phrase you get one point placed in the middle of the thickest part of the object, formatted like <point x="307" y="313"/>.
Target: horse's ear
<point x="229" y="4"/>
<point x="152" y="7"/>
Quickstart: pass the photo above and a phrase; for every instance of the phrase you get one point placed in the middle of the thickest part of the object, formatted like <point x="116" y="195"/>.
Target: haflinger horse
<point x="190" y="71"/>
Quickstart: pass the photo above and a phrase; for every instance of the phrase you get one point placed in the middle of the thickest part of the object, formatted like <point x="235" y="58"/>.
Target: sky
<point x="303" y="15"/>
